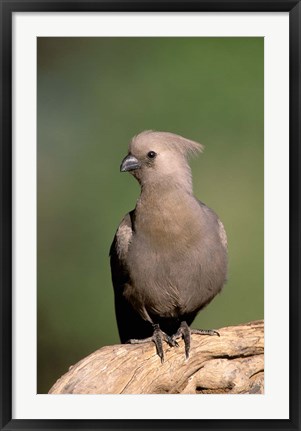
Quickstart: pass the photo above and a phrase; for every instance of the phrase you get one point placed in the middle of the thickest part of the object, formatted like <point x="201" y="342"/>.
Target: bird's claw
<point x="205" y="332"/>
<point x="157" y="337"/>
<point x="183" y="332"/>
<point x="171" y="341"/>
<point x="139" y="341"/>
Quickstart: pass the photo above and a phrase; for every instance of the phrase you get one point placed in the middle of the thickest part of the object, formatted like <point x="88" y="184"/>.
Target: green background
<point x="94" y="94"/>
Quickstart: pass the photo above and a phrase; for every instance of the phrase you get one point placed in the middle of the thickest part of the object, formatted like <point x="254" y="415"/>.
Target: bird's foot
<point x="158" y="337"/>
<point x="205" y="332"/>
<point x="185" y="332"/>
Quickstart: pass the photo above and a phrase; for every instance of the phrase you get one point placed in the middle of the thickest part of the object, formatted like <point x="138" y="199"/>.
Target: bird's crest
<point x="183" y="145"/>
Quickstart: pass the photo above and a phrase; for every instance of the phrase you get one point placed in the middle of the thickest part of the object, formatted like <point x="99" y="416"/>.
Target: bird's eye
<point x="151" y="154"/>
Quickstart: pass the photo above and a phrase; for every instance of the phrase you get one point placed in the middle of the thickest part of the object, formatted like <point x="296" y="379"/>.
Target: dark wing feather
<point x="129" y="322"/>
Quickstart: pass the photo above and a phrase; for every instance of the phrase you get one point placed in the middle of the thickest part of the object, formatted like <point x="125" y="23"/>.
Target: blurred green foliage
<point x="94" y="94"/>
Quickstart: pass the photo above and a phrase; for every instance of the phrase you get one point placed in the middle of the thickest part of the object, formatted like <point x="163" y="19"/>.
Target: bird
<point x="169" y="254"/>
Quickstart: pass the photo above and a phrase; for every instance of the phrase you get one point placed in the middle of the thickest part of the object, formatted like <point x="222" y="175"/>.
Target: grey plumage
<point x="169" y="255"/>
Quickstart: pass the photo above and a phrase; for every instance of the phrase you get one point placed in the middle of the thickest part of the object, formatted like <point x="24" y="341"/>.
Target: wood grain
<point x="232" y="363"/>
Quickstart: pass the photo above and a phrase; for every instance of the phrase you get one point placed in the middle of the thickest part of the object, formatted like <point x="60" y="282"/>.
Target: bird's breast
<point x="168" y="223"/>
<point x="176" y="259"/>
<point x="175" y="280"/>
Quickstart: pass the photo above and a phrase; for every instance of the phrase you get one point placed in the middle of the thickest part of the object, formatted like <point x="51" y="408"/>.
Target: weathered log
<point x="232" y="363"/>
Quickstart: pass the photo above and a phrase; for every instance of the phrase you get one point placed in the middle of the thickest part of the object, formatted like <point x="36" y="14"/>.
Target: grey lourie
<point x="169" y="254"/>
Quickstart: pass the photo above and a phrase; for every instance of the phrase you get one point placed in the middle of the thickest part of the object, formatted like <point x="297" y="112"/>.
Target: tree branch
<point x="232" y="363"/>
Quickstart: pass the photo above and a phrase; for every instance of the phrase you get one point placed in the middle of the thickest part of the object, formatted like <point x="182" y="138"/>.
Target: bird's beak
<point x="129" y="163"/>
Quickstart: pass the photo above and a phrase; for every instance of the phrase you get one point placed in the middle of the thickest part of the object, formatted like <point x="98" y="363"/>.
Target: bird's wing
<point x="122" y="238"/>
<point x="220" y="226"/>
<point x="129" y="322"/>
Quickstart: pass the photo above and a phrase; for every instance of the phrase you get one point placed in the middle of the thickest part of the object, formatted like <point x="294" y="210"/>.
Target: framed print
<point x="171" y="301"/>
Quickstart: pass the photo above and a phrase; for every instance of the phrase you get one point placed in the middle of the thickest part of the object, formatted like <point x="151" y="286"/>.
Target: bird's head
<point x="160" y="158"/>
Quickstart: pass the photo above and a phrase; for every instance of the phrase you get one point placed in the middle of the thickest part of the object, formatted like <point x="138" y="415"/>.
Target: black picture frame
<point x="8" y="7"/>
